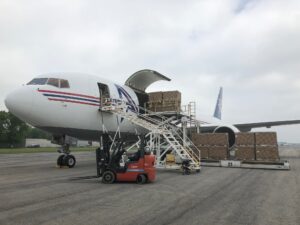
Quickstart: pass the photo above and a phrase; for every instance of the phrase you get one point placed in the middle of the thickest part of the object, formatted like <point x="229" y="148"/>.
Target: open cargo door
<point x="142" y="79"/>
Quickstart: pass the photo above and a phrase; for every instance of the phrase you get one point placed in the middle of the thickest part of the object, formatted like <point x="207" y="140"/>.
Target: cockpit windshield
<point x="38" y="81"/>
<point x="59" y="83"/>
<point x="53" y="81"/>
<point x="64" y="83"/>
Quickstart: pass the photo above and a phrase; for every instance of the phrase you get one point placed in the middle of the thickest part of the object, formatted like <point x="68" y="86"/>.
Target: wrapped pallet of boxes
<point x="201" y="141"/>
<point x="266" y="147"/>
<point x="168" y="101"/>
<point x="171" y="101"/>
<point x="155" y="101"/>
<point x="218" y="146"/>
<point x="245" y="146"/>
<point x="212" y="146"/>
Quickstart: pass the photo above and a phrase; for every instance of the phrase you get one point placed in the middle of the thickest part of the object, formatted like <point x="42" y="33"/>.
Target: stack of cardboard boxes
<point x="245" y="146"/>
<point x="201" y="142"/>
<point x="212" y="146"/>
<point x="259" y="146"/>
<point x="168" y="101"/>
<point x="266" y="146"/>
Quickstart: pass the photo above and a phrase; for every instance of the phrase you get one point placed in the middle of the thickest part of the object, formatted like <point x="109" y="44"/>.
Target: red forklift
<point x="139" y="167"/>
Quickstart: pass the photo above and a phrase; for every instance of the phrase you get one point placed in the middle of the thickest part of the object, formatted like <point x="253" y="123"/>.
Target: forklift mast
<point x="102" y="154"/>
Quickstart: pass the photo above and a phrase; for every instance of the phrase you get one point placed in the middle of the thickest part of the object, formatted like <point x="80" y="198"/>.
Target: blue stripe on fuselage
<point x="131" y="104"/>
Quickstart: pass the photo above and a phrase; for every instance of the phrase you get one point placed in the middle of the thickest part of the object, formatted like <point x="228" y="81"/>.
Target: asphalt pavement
<point x="34" y="191"/>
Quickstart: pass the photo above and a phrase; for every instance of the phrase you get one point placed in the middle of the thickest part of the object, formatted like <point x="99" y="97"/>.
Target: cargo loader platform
<point x="163" y="136"/>
<point x="282" y="165"/>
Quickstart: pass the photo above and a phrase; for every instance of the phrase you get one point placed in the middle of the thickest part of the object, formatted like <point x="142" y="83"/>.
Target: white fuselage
<point x="72" y="111"/>
<point x="69" y="103"/>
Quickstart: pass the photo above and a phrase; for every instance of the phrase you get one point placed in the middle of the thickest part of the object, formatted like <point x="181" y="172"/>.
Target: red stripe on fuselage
<point x="68" y="93"/>
<point x="79" y="102"/>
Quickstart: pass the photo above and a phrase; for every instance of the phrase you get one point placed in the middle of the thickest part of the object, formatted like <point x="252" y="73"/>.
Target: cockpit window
<point x="64" y="84"/>
<point x="60" y="83"/>
<point x="38" y="81"/>
<point x="54" y="82"/>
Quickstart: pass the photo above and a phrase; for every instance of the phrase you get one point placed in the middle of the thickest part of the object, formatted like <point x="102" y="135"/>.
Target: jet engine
<point x="230" y="130"/>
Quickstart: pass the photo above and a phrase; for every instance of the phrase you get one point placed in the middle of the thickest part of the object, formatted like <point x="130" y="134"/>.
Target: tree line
<point x="14" y="131"/>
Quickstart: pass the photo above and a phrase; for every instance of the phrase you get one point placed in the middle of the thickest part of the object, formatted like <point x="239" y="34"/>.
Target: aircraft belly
<point x="90" y="135"/>
<point x="88" y="124"/>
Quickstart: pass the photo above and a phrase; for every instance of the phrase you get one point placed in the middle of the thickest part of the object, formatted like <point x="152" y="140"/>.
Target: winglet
<point x="218" y="109"/>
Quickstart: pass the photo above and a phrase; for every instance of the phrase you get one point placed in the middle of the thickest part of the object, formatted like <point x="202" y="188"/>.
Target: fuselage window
<point x="53" y="81"/>
<point x="64" y="84"/>
<point x="38" y="81"/>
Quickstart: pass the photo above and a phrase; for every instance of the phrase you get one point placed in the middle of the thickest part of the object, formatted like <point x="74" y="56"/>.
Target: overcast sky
<point x="250" y="47"/>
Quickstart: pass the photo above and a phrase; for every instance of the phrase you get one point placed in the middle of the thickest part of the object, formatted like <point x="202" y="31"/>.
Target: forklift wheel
<point x="141" y="179"/>
<point x="108" y="177"/>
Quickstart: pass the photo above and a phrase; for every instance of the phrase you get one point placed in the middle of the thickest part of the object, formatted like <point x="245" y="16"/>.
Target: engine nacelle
<point x="230" y="130"/>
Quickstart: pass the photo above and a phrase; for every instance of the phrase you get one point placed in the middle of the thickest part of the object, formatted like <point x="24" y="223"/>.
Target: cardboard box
<point x="244" y="139"/>
<point x="172" y="96"/>
<point x="200" y="139"/>
<point x="245" y="153"/>
<point x="161" y="107"/>
<point x="267" y="153"/>
<point x="218" y="139"/>
<point x="209" y="139"/>
<point x="170" y="158"/>
<point x="155" y="96"/>
<point x="266" y="138"/>
<point x="218" y="153"/>
<point x="203" y="152"/>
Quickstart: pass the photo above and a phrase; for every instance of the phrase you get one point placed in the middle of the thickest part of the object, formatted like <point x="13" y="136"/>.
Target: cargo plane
<point x="69" y="104"/>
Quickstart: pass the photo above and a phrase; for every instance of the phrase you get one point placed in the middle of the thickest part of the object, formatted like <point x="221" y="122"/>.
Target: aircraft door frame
<point x="104" y="92"/>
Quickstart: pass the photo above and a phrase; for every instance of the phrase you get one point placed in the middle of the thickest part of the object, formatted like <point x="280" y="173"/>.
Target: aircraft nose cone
<point x="9" y="101"/>
<point x="19" y="102"/>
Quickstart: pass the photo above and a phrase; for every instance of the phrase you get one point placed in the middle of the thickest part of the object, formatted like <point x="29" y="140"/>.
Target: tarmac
<point x="34" y="191"/>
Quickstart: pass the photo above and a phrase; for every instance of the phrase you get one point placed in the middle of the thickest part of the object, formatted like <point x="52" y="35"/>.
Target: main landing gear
<point x="66" y="159"/>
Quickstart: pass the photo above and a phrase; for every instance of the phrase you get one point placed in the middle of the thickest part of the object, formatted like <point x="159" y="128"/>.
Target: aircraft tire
<point x="60" y="160"/>
<point x="69" y="161"/>
<point x="141" y="179"/>
<point x="108" y="177"/>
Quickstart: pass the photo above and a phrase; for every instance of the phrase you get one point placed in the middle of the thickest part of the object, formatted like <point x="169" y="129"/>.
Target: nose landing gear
<point x="66" y="159"/>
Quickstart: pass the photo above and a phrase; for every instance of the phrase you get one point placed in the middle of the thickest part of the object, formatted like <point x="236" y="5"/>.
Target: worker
<point x="135" y="157"/>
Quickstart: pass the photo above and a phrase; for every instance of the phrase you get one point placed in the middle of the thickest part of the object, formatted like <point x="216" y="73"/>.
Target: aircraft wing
<point x="244" y="127"/>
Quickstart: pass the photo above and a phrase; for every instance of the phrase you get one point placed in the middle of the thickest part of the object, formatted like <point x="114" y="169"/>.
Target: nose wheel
<point x="66" y="160"/>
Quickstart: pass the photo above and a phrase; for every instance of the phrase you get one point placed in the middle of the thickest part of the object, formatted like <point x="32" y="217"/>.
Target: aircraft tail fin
<point x="218" y="109"/>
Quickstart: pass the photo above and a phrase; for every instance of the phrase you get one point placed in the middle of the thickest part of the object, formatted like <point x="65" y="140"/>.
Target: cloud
<point x="251" y="47"/>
